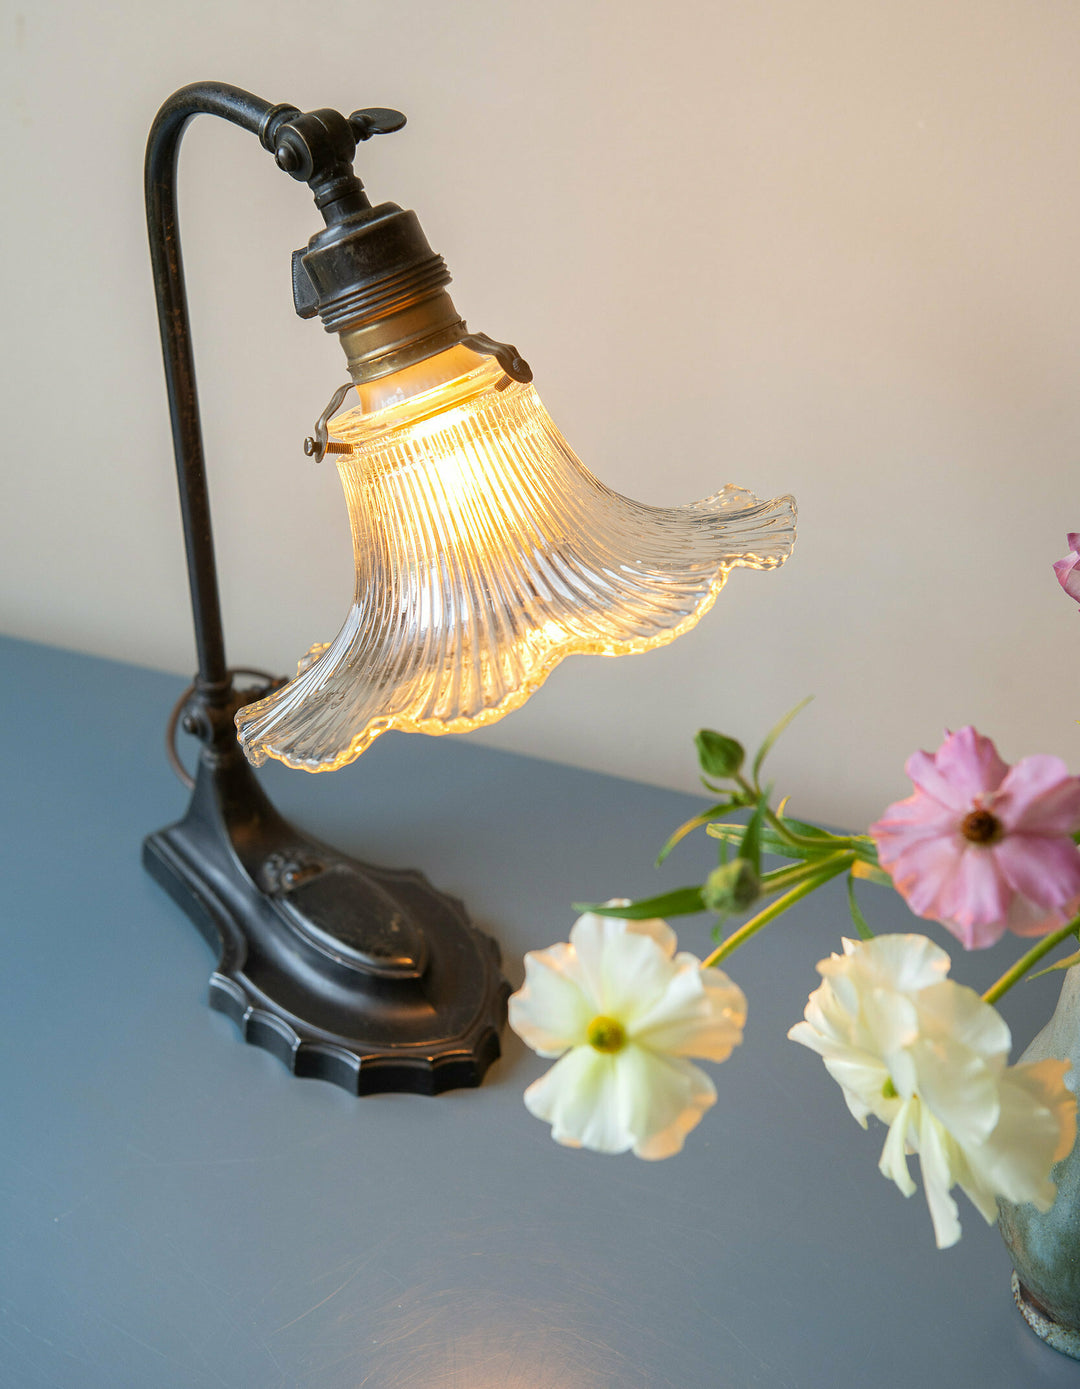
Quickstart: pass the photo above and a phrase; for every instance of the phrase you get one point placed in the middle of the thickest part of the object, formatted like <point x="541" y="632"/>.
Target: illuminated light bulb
<point x="485" y="553"/>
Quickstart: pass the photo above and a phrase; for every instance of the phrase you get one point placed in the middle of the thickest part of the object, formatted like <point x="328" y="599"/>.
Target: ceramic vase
<point x="1045" y="1245"/>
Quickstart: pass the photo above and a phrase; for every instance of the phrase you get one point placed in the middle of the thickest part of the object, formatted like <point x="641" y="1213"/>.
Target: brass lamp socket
<point x="374" y="280"/>
<point x="403" y="338"/>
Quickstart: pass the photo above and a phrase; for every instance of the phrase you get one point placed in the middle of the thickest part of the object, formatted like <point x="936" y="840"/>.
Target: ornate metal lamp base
<point x="367" y="977"/>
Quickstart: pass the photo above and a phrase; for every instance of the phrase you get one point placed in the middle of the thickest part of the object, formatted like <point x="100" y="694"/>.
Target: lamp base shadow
<point x="366" y="977"/>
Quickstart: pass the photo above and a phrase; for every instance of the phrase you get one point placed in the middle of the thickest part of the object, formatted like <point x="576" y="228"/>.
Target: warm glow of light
<point x="388" y="391"/>
<point x="486" y="552"/>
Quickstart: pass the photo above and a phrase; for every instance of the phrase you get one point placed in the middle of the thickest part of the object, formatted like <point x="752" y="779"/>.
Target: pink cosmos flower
<point x="1067" y="569"/>
<point x="983" y="847"/>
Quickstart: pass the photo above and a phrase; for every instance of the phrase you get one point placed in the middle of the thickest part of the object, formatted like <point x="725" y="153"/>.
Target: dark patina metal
<point x="364" y="976"/>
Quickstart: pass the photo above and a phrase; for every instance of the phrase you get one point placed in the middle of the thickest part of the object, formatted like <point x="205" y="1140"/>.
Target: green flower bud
<point x="717" y="754"/>
<point x="732" y="887"/>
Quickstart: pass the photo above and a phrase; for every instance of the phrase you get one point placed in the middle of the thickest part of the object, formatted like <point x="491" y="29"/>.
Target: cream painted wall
<point x="825" y="247"/>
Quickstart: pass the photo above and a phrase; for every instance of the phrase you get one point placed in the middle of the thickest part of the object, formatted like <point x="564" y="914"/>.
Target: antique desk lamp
<point x="485" y="553"/>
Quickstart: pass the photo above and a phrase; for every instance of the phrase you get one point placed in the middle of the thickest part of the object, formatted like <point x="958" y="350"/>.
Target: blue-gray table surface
<point x="177" y="1211"/>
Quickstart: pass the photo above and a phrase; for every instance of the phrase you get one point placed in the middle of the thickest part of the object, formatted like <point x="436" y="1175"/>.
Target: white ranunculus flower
<point x="929" y="1058"/>
<point x="622" y="1012"/>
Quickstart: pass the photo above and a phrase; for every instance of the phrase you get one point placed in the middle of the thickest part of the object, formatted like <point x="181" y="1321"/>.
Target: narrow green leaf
<point x="772" y="843"/>
<point x="871" y="872"/>
<point x="750" y="845"/>
<point x="774" y="733"/>
<point x="809" y="831"/>
<point x="689" y="827"/>
<point x="1067" y="963"/>
<point x="865" y="851"/>
<point x="683" y="901"/>
<point x="861" y="923"/>
<point x="718" y="755"/>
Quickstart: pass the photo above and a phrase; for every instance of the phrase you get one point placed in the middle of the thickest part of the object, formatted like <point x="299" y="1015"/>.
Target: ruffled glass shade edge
<point x="779" y="511"/>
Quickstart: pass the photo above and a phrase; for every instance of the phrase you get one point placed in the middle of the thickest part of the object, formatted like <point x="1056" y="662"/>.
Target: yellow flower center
<point x="981" y="827"/>
<point x="606" y="1034"/>
<point x="889" y="1090"/>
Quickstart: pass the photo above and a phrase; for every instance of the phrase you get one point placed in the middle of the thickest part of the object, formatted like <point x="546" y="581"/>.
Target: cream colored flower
<point x="929" y="1058"/>
<point x="622" y="1012"/>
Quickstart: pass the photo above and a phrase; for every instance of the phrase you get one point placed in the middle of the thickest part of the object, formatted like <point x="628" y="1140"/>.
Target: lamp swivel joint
<point x="369" y="274"/>
<point x="317" y="148"/>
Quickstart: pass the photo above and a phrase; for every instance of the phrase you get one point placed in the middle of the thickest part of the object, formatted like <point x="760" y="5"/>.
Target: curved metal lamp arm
<point x="317" y="149"/>
<point x="162" y="150"/>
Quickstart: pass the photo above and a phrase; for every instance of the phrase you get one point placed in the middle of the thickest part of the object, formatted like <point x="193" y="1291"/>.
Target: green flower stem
<point x="781" y="878"/>
<point x="1025" y="962"/>
<point x="824" y="869"/>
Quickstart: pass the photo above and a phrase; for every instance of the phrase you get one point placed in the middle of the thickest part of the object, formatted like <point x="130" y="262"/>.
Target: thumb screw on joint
<point x="375" y="120"/>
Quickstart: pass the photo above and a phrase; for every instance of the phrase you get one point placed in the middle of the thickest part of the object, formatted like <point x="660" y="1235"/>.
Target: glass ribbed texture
<point x="485" y="553"/>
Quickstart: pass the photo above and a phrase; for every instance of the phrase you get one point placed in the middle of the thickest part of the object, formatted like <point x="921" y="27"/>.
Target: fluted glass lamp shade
<point x="486" y="552"/>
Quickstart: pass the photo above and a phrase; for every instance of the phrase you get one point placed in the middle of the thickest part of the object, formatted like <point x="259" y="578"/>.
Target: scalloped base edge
<point x="416" y="1071"/>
